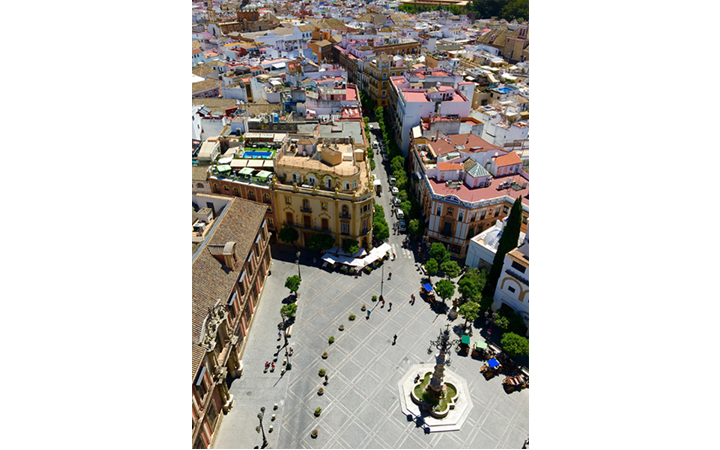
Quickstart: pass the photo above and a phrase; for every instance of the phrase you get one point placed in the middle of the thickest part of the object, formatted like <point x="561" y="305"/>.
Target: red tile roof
<point x="471" y="142"/>
<point x="472" y="195"/>
<point x="508" y="160"/>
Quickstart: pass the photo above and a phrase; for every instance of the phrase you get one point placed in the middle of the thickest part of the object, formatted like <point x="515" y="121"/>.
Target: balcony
<point x="344" y="216"/>
<point x="306" y="210"/>
<point x="517" y="276"/>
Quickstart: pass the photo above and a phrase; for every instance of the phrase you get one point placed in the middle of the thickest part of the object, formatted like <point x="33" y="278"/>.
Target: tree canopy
<point x="471" y="284"/>
<point x="469" y="311"/>
<point x="288" y="310"/>
<point x="450" y="269"/>
<point x="445" y="289"/>
<point x="439" y="252"/>
<point x="288" y="234"/>
<point x="320" y="242"/>
<point x="414" y="227"/>
<point x="431" y="266"/>
<point x="381" y="231"/>
<point x="350" y="246"/>
<point x="515" y="345"/>
<point x="293" y="283"/>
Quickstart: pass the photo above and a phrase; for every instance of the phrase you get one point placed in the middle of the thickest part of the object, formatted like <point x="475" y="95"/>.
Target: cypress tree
<point x="508" y="241"/>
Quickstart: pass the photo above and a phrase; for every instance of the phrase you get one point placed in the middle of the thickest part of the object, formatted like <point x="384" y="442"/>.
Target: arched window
<point x="354" y="184"/>
<point x="311" y="179"/>
<point x="328" y="182"/>
<point x="251" y="195"/>
<point x="266" y="198"/>
<point x="347" y="186"/>
<point x="200" y="185"/>
<point x="237" y="193"/>
<point x="295" y="177"/>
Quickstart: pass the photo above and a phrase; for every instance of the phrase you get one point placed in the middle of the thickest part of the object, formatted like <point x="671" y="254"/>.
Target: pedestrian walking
<point x="279" y="335"/>
<point x="383" y="303"/>
<point x="394" y="339"/>
<point x="389" y="306"/>
<point x="368" y="312"/>
<point x="326" y="380"/>
<point x="389" y="275"/>
<point x="272" y="367"/>
<point x="394" y="256"/>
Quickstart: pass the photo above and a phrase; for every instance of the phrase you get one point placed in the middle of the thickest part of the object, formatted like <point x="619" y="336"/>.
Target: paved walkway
<point x="360" y="407"/>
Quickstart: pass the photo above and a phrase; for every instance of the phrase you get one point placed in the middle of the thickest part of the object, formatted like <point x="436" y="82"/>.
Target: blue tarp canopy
<point x="427" y="287"/>
<point x="493" y="363"/>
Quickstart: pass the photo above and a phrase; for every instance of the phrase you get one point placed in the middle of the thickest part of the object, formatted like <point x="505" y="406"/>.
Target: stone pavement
<point x="360" y="406"/>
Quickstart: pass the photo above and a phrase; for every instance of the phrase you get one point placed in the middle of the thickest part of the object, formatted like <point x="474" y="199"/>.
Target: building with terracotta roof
<point x="229" y="269"/>
<point x="464" y="184"/>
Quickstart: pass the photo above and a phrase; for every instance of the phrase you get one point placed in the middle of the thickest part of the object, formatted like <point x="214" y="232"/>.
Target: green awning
<point x="246" y="171"/>
<point x="465" y="339"/>
<point x="481" y="345"/>
<point x="263" y="174"/>
<point x="224" y="168"/>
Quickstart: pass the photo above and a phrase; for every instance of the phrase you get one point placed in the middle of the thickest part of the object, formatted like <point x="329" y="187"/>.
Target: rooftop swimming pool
<point x="261" y="155"/>
<point x="504" y="90"/>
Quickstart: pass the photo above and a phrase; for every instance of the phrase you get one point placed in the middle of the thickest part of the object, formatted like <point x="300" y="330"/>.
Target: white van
<point x="392" y="181"/>
<point x="400" y="214"/>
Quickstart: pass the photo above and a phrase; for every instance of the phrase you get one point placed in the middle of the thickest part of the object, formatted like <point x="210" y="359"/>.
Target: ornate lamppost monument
<point x="437" y="396"/>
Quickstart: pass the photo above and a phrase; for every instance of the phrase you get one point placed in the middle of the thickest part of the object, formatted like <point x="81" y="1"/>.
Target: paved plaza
<point x="360" y="406"/>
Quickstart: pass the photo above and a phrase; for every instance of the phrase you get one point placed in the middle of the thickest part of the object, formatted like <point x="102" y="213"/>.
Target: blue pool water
<point x="504" y="90"/>
<point x="257" y="155"/>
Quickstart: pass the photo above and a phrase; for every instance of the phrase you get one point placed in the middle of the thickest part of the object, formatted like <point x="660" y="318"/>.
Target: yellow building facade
<point x="325" y="187"/>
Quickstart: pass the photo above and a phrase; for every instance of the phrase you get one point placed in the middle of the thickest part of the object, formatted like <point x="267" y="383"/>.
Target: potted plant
<point x="342" y="327"/>
<point x="318" y="410"/>
<point x="321" y="372"/>
<point x="363" y="307"/>
<point x="332" y="339"/>
<point x="324" y="355"/>
<point x="314" y="433"/>
<point x="320" y="391"/>
<point x="374" y="298"/>
<point x="352" y="316"/>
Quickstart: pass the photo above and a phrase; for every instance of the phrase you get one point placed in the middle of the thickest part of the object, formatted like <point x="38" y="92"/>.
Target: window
<point x="323" y="205"/>
<point x="497" y="212"/>
<point x="270" y="222"/>
<point x="519" y="267"/>
<point x="311" y="180"/>
<point x="236" y="192"/>
<point x="344" y="228"/>
<point x="505" y="209"/>
<point x="288" y="201"/>
<point x="347" y="186"/>
<point x="226" y="188"/>
<point x="200" y="185"/>
<point x="289" y="218"/>
<point x="345" y="211"/>
<point x="325" y="224"/>
<point x="482" y="214"/>
<point x="328" y="182"/>
<point x="200" y="383"/>
<point x="460" y="217"/>
<point x="511" y="289"/>
<point x="306" y="204"/>
<point x="439" y="210"/>
<point x="364" y="225"/>
<point x="251" y="195"/>
<point x="354" y="184"/>
<point x="295" y="177"/>
<point x="472" y="218"/>
<point x="266" y="198"/>
<point x="307" y="221"/>
<point x="449" y="211"/>
<point x="524" y="220"/>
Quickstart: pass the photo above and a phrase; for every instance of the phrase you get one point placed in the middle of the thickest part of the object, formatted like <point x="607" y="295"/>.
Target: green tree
<point x="516" y="9"/>
<point x="445" y="289"/>
<point x="381" y="231"/>
<point x="431" y="267"/>
<point x="508" y="241"/>
<point x="486" y="302"/>
<point x="439" y="252"/>
<point x="293" y="283"/>
<point x="515" y="345"/>
<point x="450" y="269"/>
<point x="469" y="311"/>
<point x="288" y="310"/>
<point x="414" y="228"/>
<point x="320" y="242"/>
<point x="471" y="284"/>
<point x="350" y="246"/>
<point x="288" y="234"/>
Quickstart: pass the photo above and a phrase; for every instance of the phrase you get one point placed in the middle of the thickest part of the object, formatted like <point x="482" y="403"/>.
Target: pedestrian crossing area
<point x="401" y="252"/>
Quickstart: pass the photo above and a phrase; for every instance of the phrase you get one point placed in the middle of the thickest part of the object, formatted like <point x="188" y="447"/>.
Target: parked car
<point x="392" y="181"/>
<point x="375" y="145"/>
<point x="396" y="201"/>
<point x="400" y="214"/>
<point x="394" y="190"/>
<point x="402" y="226"/>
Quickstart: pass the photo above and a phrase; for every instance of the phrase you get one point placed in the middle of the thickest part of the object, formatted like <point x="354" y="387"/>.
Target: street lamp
<point x="382" y="279"/>
<point x="298" y="263"/>
<point x="260" y="416"/>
